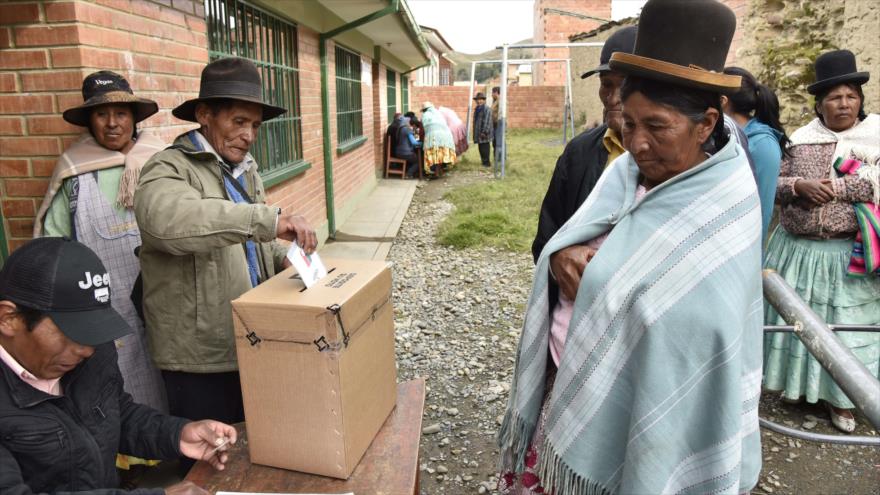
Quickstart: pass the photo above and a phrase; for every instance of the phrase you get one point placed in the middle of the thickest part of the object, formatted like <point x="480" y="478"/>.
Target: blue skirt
<point x="817" y="271"/>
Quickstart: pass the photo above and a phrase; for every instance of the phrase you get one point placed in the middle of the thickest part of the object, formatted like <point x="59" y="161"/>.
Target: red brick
<point x="196" y="24"/>
<point x="14" y="168"/>
<point x="68" y="100"/>
<point x="43" y="167"/>
<point x="23" y="59"/>
<point x="29" y="146"/>
<point x="84" y="56"/>
<point x="20" y="13"/>
<point x="17" y="243"/>
<point x="11" y="126"/>
<point x="60" y="12"/>
<point x="105" y="38"/>
<point x="26" y="187"/>
<point x="51" y="125"/>
<point x="18" y="104"/>
<point x="183" y="5"/>
<point x="13" y="208"/>
<point x="51" y="81"/>
<point x="66" y="141"/>
<point x="7" y="82"/>
<point x="5" y="37"/>
<point x="149" y="10"/>
<point x="46" y="35"/>
<point x="20" y="227"/>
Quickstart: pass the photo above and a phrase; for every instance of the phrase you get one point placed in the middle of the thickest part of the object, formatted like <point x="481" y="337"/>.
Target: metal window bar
<point x="237" y="28"/>
<point x="391" y="78"/>
<point x="349" y="111"/>
<point x="404" y="93"/>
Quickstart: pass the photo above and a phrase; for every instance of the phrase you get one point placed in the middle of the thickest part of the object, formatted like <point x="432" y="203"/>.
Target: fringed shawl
<point x="85" y="155"/>
<point x="658" y="386"/>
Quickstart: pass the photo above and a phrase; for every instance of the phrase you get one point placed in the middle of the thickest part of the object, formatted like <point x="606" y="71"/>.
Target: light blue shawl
<point x="437" y="133"/>
<point x="658" y="386"/>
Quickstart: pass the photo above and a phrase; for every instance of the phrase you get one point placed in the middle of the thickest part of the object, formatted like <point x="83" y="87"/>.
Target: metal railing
<point x="859" y="384"/>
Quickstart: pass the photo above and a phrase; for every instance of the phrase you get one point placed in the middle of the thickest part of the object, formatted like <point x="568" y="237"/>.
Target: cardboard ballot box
<point x="317" y="366"/>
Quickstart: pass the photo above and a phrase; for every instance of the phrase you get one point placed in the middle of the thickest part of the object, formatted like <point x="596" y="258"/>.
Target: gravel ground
<point x="458" y="314"/>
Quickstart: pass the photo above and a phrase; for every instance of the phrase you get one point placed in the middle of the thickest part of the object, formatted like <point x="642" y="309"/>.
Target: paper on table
<point x="309" y="266"/>
<point x="251" y="493"/>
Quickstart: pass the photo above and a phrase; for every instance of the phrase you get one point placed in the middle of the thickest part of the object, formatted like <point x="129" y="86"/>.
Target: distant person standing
<point x="496" y="108"/>
<point x="483" y="131"/>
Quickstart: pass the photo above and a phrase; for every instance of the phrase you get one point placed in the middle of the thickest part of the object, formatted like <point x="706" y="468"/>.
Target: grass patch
<point x="503" y="213"/>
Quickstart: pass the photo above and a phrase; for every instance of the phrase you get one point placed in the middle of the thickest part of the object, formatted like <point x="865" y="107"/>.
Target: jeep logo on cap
<point x="96" y="280"/>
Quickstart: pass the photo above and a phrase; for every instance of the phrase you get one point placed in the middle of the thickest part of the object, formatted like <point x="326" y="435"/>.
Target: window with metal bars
<point x="349" y="111"/>
<point x="392" y="94"/>
<point x="239" y="29"/>
<point x="404" y="93"/>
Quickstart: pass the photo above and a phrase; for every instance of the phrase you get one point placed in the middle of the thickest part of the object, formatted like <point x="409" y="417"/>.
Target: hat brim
<point x="601" y="68"/>
<point x="93" y="327"/>
<point x="187" y="110"/>
<point x="141" y="107"/>
<point x="660" y="70"/>
<point x="855" y="77"/>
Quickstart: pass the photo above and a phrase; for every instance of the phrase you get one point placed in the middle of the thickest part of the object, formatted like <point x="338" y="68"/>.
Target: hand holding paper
<point x="297" y="228"/>
<point x="310" y="267"/>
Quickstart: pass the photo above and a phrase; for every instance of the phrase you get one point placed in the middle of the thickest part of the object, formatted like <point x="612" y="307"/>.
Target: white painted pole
<point x="502" y="120"/>
<point x="570" y="97"/>
<point x="470" y="102"/>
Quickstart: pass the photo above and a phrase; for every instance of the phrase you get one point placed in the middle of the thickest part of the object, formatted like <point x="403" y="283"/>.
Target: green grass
<point x="503" y="213"/>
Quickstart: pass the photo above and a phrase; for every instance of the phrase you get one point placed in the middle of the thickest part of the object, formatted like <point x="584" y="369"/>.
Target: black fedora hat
<point x="480" y="96"/>
<point x="105" y="88"/>
<point x="623" y="40"/>
<point x="683" y="42"/>
<point x="229" y="78"/>
<point x="837" y="67"/>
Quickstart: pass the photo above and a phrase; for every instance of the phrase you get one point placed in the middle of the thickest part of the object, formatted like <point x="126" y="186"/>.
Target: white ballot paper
<point x="309" y="266"/>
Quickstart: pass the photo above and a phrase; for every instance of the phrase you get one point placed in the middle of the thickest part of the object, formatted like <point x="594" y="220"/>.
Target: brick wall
<point x="527" y="106"/>
<point x="741" y="9"/>
<point x="556" y="28"/>
<point x="46" y="49"/>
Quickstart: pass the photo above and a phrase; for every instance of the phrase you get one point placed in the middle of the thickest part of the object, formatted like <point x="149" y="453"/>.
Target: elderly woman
<point x="439" y="146"/>
<point x="813" y="247"/>
<point x="457" y="127"/>
<point x="90" y="199"/>
<point x="652" y="385"/>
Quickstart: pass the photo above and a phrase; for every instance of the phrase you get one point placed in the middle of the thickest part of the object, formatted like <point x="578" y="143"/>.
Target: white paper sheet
<point x="310" y="267"/>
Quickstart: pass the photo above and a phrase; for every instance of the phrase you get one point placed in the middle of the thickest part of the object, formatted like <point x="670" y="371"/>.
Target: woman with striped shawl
<point x="650" y="382"/>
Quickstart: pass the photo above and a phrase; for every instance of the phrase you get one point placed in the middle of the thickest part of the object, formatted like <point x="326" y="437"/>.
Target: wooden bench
<point x="389" y="466"/>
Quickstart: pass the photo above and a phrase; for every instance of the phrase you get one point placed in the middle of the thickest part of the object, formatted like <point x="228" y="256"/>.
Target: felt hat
<point x="836" y="67"/>
<point x="68" y="282"/>
<point x="426" y="105"/>
<point x="480" y="96"/>
<point x="229" y="78"/>
<point x="682" y="42"/>
<point x="104" y="88"/>
<point x="623" y="40"/>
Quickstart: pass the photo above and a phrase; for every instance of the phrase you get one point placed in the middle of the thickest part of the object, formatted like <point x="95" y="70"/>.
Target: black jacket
<point x="69" y="443"/>
<point x="576" y="173"/>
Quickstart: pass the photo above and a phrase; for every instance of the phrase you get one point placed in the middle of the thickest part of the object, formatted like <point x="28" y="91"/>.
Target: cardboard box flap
<point x="326" y="315"/>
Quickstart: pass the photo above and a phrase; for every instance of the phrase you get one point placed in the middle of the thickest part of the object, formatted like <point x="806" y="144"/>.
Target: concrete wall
<point x="47" y="48"/>
<point x="528" y="106"/>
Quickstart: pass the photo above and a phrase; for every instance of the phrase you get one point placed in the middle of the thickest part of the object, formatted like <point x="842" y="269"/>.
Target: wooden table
<point x="390" y="465"/>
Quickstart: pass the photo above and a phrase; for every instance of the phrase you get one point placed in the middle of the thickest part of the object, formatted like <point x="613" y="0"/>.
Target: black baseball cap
<point x="623" y="40"/>
<point x="67" y="281"/>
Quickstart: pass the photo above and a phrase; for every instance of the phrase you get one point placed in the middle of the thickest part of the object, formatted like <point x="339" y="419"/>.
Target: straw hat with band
<point x="837" y="67"/>
<point x="105" y="88"/>
<point x="682" y="42"/>
<point x="623" y="40"/>
<point x="229" y="79"/>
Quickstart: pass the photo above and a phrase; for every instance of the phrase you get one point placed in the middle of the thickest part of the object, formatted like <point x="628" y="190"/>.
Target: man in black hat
<point x="483" y="131"/>
<point x="208" y="237"/>
<point x="580" y="165"/>
<point x="63" y="412"/>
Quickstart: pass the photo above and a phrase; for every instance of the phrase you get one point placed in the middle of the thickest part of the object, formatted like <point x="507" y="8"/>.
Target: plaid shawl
<point x="658" y="387"/>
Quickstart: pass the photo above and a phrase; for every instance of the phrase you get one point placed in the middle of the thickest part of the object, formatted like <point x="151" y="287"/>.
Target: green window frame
<point x="237" y="28"/>
<point x="349" y="107"/>
<point x="404" y="93"/>
<point x="392" y="93"/>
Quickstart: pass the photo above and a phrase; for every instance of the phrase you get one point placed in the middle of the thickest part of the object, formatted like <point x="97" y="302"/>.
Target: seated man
<point x="63" y="412"/>
<point x="405" y="145"/>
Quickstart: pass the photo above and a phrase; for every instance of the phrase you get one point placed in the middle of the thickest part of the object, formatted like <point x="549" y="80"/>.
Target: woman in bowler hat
<point x="651" y="383"/>
<point x="824" y="245"/>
